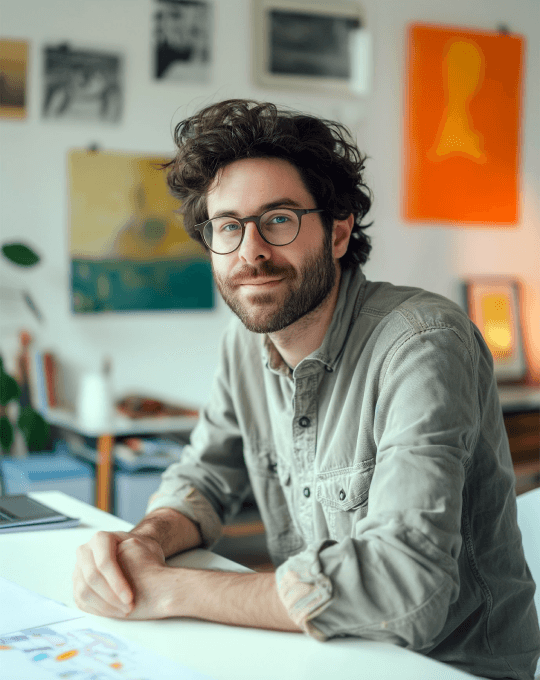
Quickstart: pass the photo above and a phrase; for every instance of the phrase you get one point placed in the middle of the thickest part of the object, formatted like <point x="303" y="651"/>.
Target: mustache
<point x="267" y="269"/>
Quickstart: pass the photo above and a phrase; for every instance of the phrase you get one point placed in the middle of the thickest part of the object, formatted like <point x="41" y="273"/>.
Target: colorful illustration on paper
<point x="462" y="126"/>
<point x="13" y="68"/>
<point x="70" y="650"/>
<point x="82" y="653"/>
<point x="128" y="248"/>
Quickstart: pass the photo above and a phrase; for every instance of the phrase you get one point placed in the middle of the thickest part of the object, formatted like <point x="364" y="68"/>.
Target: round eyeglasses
<point x="278" y="227"/>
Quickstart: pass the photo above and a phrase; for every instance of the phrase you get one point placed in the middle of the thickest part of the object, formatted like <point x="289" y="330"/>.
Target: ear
<point x="340" y="236"/>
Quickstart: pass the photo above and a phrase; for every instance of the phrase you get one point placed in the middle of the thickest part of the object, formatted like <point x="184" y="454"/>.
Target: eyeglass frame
<point x="299" y="212"/>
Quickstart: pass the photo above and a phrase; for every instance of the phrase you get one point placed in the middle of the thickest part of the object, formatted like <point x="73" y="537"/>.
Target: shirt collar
<point x="351" y="292"/>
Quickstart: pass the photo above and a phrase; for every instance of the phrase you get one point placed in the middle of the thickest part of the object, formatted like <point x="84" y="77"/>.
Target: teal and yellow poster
<point x="128" y="248"/>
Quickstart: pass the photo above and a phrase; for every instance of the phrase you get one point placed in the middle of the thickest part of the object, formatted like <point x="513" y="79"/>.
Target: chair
<point x="528" y="509"/>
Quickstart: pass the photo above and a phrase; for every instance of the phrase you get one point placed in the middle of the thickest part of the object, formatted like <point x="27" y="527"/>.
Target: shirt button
<point x="342" y="495"/>
<point x="307" y="492"/>
<point x="328" y="369"/>
<point x="304" y="421"/>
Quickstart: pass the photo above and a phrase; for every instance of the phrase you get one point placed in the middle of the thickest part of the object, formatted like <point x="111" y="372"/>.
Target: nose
<point x="253" y="247"/>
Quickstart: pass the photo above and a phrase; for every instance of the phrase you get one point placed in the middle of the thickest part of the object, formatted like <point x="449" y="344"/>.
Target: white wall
<point x="173" y="354"/>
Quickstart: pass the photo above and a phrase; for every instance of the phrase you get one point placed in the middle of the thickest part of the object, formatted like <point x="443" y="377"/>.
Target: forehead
<point x="246" y="185"/>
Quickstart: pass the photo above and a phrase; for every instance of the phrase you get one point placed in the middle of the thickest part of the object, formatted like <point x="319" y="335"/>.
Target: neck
<point x="304" y="336"/>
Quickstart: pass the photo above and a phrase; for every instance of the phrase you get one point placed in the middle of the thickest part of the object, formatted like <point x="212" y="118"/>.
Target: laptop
<point x="19" y="512"/>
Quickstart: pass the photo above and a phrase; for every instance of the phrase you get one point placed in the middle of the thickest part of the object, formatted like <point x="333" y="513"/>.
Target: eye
<point x="279" y="219"/>
<point x="229" y="227"/>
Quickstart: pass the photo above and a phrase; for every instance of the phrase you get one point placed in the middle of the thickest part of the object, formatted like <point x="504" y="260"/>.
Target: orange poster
<point x="462" y="127"/>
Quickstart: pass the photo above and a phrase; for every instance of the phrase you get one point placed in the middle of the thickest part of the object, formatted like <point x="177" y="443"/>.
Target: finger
<point x="91" y="590"/>
<point x="131" y="544"/>
<point x="105" y="559"/>
<point x="93" y="578"/>
<point x="138" y="549"/>
<point x="89" y="601"/>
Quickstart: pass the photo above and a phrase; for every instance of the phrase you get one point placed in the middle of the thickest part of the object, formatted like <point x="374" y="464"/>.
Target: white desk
<point x="43" y="561"/>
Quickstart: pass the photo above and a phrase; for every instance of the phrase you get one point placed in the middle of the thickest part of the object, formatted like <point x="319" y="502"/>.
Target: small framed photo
<point x="13" y="70"/>
<point x="307" y="45"/>
<point x="183" y="36"/>
<point x="493" y="305"/>
<point x="82" y="84"/>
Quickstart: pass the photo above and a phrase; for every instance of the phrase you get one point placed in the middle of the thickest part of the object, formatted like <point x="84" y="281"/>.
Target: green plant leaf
<point x="9" y="388"/>
<point x="34" y="428"/>
<point x="20" y="254"/>
<point x="6" y="434"/>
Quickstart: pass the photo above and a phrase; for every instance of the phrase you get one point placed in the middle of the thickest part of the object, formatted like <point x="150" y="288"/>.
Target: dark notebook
<point x="22" y="513"/>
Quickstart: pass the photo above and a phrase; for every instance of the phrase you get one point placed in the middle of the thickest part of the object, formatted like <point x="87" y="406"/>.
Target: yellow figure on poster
<point x="463" y="70"/>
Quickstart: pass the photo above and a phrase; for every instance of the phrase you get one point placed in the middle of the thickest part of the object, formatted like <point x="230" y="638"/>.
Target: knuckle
<point x="83" y="593"/>
<point x="128" y="543"/>
<point x="81" y="551"/>
<point x="102" y="561"/>
<point x="93" y="578"/>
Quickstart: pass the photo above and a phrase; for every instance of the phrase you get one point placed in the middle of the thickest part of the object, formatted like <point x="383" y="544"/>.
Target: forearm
<point x="249" y="600"/>
<point x="171" y="529"/>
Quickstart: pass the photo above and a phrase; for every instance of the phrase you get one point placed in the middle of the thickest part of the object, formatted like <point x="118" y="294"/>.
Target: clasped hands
<point x="122" y="575"/>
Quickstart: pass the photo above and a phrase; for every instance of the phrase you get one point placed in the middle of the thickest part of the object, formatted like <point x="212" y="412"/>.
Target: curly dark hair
<point x="323" y="151"/>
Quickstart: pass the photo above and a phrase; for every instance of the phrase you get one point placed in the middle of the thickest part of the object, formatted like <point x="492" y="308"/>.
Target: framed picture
<point x="462" y="132"/>
<point x="493" y="305"/>
<point x="13" y="69"/>
<point x="129" y="251"/>
<point x="309" y="45"/>
<point x="183" y="40"/>
<point x="82" y="84"/>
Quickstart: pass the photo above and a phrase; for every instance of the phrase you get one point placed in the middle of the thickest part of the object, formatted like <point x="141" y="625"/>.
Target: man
<point x="364" y="417"/>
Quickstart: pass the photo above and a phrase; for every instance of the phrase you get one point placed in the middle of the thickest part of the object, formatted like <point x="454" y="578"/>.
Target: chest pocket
<point x="343" y="496"/>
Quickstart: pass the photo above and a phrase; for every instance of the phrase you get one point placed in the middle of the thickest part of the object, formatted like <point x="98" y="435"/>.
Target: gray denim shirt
<point x="383" y="475"/>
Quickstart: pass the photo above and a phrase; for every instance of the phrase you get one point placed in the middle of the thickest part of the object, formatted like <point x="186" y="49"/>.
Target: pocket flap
<point x="345" y="489"/>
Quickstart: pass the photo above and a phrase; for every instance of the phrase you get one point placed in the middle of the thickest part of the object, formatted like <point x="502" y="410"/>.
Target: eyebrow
<point x="281" y="203"/>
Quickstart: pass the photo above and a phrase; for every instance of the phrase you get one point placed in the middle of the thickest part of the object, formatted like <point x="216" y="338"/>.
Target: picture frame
<point x="182" y="45"/>
<point x="13" y="78"/>
<point x="493" y="304"/>
<point x="82" y="84"/>
<point x="310" y="45"/>
<point x="128" y="249"/>
<point x="466" y="173"/>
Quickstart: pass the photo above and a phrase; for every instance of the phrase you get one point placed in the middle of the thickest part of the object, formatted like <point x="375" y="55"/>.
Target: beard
<point x="269" y="312"/>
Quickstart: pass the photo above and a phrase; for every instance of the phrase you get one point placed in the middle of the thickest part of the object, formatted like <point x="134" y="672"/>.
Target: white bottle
<point x="95" y="403"/>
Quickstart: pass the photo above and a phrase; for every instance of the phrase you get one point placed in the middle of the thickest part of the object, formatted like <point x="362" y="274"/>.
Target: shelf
<point x="121" y="425"/>
<point x="519" y="398"/>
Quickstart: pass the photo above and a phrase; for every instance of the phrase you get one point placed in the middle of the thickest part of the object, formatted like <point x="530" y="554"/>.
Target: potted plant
<point x="32" y="425"/>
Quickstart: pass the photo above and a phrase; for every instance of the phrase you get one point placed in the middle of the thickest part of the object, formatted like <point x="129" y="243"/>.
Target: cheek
<point x="220" y="266"/>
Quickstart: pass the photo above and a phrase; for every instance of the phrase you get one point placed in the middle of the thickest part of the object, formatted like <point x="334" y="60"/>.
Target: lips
<point x="258" y="282"/>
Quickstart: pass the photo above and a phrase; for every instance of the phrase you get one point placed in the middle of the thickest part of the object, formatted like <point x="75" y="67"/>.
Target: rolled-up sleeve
<point x="394" y="578"/>
<point x="211" y="481"/>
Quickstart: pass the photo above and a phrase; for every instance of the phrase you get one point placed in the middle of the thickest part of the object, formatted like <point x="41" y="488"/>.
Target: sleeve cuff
<point x="190" y="502"/>
<point x="304" y="589"/>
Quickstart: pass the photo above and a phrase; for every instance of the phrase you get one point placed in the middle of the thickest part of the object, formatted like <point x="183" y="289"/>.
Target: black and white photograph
<point x="183" y="40"/>
<point x="82" y="84"/>
<point x="305" y="45"/>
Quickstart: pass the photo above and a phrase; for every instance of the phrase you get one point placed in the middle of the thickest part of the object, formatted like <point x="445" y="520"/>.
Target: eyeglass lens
<point x="279" y="227"/>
